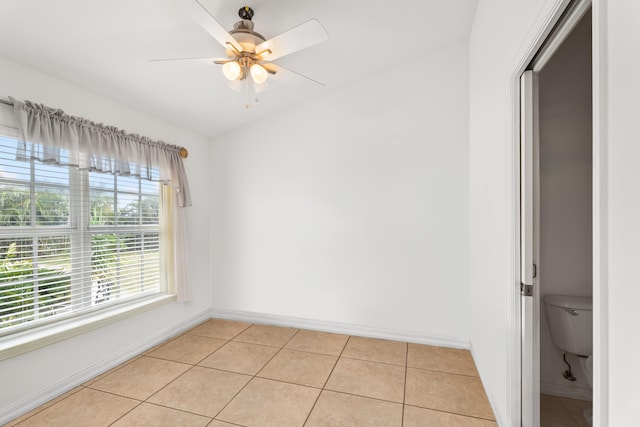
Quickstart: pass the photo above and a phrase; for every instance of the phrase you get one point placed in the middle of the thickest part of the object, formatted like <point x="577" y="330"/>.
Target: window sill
<point x="40" y="337"/>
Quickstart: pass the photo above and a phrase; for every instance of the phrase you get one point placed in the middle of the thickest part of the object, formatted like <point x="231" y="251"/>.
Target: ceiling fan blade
<point x="203" y="59"/>
<point x="202" y="16"/>
<point x="287" y="76"/>
<point x="304" y="35"/>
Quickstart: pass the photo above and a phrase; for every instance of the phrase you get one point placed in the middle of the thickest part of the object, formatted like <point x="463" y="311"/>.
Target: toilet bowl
<point x="571" y="323"/>
<point x="586" y="363"/>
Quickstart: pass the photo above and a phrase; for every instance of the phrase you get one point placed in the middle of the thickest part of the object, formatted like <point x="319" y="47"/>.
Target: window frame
<point x="33" y="336"/>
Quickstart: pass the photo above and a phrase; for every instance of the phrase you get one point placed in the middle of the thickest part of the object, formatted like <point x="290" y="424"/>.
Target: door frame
<point x="530" y="249"/>
<point x="536" y="40"/>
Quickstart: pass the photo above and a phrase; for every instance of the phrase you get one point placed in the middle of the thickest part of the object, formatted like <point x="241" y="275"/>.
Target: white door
<point x="529" y="226"/>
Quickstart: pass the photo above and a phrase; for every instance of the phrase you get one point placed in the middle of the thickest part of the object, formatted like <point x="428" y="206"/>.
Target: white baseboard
<point x="51" y="392"/>
<point x="339" y="328"/>
<point x="560" y="390"/>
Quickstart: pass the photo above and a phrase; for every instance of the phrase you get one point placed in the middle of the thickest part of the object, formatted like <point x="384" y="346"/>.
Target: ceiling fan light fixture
<point x="259" y="74"/>
<point x="232" y="70"/>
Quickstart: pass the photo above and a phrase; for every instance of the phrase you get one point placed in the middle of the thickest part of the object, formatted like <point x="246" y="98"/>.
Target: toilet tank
<point x="571" y="323"/>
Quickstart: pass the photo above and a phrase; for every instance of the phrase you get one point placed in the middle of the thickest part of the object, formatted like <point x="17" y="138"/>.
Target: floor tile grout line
<point x="126" y="413"/>
<point x="272" y="326"/>
<point x="452" y="413"/>
<point x="48" y="404"/>
<point x="163" y="343"/>
<point x="221" y="338"/>
<point x="275" y="354"/>
<point x="176" y="409"/>
<point x="112" y="370"/>
<point x="227" y="341"/>
<point x="164" y="360"/>
<point x="363" y="396"/>
<point x="115" y="394"/>
<point x="213" y="368"/>
<point x="374" y="361"/>
<point x="253" y="343"/>
<point x="169" y="383"/>
<point x="183" y="362"/>
<point x="231" y="424"/>
<point x="255" y="375"/>
<point x="309" y="352"/>
<point x="444" y="372"/>
<point x="194" y="413"/>
<point x="326" y="380"/>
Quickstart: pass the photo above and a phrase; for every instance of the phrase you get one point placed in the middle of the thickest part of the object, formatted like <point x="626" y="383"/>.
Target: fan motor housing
<point x="243" y="33"/>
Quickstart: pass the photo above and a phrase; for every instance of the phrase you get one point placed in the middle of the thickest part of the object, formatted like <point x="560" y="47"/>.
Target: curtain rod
<point x="183" y="151"/>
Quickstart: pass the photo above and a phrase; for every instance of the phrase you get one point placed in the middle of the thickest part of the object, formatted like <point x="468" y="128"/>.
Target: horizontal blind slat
<point x="50" y="267"/>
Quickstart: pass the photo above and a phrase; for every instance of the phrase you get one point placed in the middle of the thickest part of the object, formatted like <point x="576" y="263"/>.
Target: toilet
<point x="571" y="323"/>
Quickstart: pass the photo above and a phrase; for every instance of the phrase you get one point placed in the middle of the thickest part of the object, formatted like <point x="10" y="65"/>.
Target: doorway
<point x="556" y="218"/>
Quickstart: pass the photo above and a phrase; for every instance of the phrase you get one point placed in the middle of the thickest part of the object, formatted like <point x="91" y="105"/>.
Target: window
<point x="72" y="241"/>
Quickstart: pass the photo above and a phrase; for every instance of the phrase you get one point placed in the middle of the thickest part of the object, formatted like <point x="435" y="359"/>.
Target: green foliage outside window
<point x="21" y="284"/>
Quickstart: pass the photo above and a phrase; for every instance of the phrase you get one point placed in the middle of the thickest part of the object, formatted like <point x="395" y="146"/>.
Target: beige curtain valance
<point x="45" y="131"/>
<point x="51" y="136"/>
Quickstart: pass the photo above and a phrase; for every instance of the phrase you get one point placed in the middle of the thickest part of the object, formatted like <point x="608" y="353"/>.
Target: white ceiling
<point x="106" y="45"/>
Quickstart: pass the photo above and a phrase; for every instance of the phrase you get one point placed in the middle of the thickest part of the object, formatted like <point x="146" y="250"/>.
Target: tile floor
<point x="225" y="373"/>
<point x="562" y="411"/>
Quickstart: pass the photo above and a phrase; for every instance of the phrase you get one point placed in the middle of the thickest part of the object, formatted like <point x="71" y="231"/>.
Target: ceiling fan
<point x="249" y="55"/>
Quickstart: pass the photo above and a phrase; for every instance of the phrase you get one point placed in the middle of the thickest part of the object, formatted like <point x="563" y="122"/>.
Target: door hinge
<point x="526" y="290"/>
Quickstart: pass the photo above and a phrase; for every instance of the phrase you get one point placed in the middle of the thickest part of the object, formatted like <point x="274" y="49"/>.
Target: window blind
<point x="73" y="241"/>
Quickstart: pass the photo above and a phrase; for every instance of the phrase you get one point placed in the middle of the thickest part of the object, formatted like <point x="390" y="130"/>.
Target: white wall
<point x="25" y="377"/>
<point x="565" y="266"/>
<point x="502" y="30"/>
<point x="619" y="34"/>
<point x="352" y="208"/>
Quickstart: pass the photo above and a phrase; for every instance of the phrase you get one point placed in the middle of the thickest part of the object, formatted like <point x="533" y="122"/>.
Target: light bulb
<point x="259" y="74"/>
<point x="232" y="70"/>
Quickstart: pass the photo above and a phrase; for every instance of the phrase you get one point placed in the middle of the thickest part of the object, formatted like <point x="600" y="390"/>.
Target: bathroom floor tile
<point x="201" y="391"/>
<point x="554" y="414"/>
<point x="420" y="417"/>
<point x="72" y="411"/>
<point x="299" y="367"/>
<point x="576" y="410"/>
<point x="219" y="328"/>
<point x="453" y="393"/>
<point x="318" y="342"/>
<point x="562" y="411"/>
<point x="451" y="360"/>
<point x="147" y="415"/>
<point x="369" y="379"/>
<point x="240" y="357"/>
<point x="187" y="349"/>
<point x="274" y="336"/>
<point x="338" y="409"/>
<point x="267" y="403"/>
<point x="376" y="350"/>
<point x="141" y="378"/>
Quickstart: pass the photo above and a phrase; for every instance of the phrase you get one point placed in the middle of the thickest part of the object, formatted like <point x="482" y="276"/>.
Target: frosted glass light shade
<point x="232" y="70"/>
<point x="259" y="74"/>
